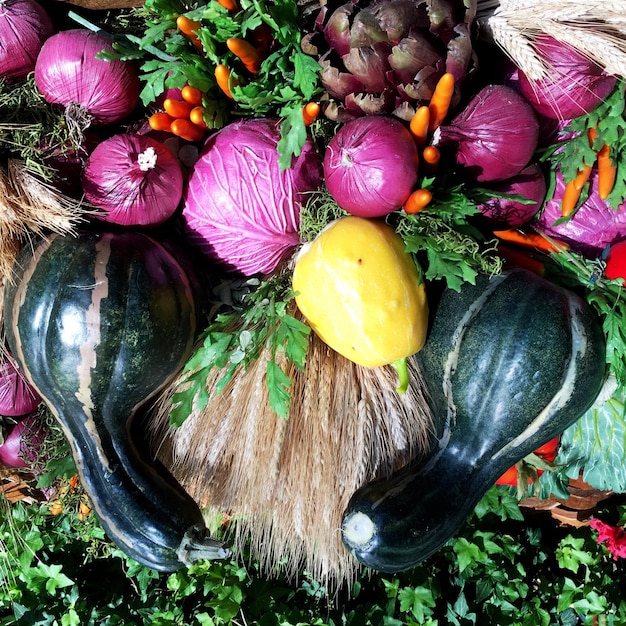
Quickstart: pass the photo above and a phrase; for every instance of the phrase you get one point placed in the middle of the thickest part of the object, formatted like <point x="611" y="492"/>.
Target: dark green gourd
<point x="509" y="364"/>
<point x="100" y="323"/>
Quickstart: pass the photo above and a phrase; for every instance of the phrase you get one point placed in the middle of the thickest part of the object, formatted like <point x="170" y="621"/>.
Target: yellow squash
<point x="361" y="292"/>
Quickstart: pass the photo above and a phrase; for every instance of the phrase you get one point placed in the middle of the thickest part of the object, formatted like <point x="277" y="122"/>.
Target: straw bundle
<point x="287" y="482"/>
<point x="30" y="207"/>
<point x="595" y="28"/>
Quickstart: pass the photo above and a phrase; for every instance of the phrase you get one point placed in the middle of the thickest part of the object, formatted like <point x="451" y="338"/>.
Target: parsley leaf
<point x="235" y="339"/>
<point x="607" y="297"/>
<point x="455" y="251"/>
<point x="609" y="121"/>
<point x="287" y="80"/>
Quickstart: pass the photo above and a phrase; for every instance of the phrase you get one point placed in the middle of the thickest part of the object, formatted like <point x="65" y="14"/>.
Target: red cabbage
<point x="594" y="225"/>
<point x="495" y="135"/>
<point x="239" y="207"/>
<point x="508" y="213"/>
<point x="371" y="165"/>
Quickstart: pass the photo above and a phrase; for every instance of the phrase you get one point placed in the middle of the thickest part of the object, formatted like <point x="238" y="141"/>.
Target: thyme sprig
<point x="30" y="128"/>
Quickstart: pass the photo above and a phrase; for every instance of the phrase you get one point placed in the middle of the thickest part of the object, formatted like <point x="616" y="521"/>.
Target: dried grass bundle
<point x="30" y="207"/>
<point x="287" y="482"/>
<point x="595" y="28"/>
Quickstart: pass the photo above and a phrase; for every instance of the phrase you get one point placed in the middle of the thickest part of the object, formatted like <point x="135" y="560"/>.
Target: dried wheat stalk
<point x="287" y="482"/>
<point x="594" y="28"/>
<point x="30" y="207"/>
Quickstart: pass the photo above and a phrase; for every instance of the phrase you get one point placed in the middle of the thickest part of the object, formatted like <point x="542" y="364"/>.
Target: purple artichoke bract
<point x="386" y="56"/>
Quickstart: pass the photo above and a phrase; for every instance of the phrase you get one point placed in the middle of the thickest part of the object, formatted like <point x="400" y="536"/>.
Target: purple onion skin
<point x="239" y="208"/>
<point x="495" y="135"/>
<point x="127" y="195"/>
<point x="508" y="213"/>
<point x="17" y="396"/>
<point x="15" y="453"/>
<point x="68" y="72"/>
<point x="24" y="27"/>
<point x="594" y="225"/>
<point x="371" y="166"/>
<point x="574" y="87"/>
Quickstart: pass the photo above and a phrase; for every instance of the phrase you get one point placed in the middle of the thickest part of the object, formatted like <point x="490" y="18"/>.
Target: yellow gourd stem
<point x="402" y="367"/>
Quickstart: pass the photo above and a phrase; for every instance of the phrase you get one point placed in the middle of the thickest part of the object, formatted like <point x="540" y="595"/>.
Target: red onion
<point x="240" y="207"/>
<point x="17" y="396"/>
<point x="575" y="84"/>
<point x="68" y="73"/>
<point x="495" y="135"/>
<point x="19" y="449"/>
<point x="371" y="165"/>
<point x="134" y="179"/>
<point x="594" y="225"/>
<point x="24" y="26"/>
<point x="508" y="213"/>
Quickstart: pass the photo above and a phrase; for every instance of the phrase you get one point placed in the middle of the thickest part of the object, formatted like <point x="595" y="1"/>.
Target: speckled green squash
<point x="509" y="363"/>
<point x="99" y="323"/>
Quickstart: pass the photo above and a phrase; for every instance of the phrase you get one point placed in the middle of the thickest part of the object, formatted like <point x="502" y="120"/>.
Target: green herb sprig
<point x="30" y="128"/>
<point x="288" y="78"/>
<point x="235" y="339"/>
<point x="607" y="297"/>
<point x="455" y="250"/>
<point x="571" y="154"/>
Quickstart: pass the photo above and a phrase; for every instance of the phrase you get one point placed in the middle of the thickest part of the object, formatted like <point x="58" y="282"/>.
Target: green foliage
<point x="287" y="79"/>
<point x="454" y="250"/>
<point x="610" y="123"/>
<point x="236" y="338"/>
<point x="503" y="568"/>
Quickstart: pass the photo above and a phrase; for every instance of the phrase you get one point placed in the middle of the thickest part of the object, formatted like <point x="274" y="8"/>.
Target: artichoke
<point x="386" y="56"/>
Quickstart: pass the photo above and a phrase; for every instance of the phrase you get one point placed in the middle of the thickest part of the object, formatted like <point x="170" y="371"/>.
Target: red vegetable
<point x="134" y="179"/>
<point x="547" y="452"/>
<point x="240" y="207"/>
<point x="508" y="213"/>
<point x="616" y="261"/>
<point x="574" y="84"/>
<point x="24" y="26"/>
<point x="17" y="396"/>
<point x="371" y="165"/>
<point x="19" y="449"/>
<point x="594" y="225"/>
<point x="495" y="135"/>
<point x="68" y="73"/>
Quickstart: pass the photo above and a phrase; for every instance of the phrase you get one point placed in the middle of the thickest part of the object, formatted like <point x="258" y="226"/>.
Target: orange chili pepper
<point x="310" y="111"/>
<point x="186" y="129"/>
<point x="419" y="125"/>
<point x="417" y="201"/>
<point x="440" y="101"/>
